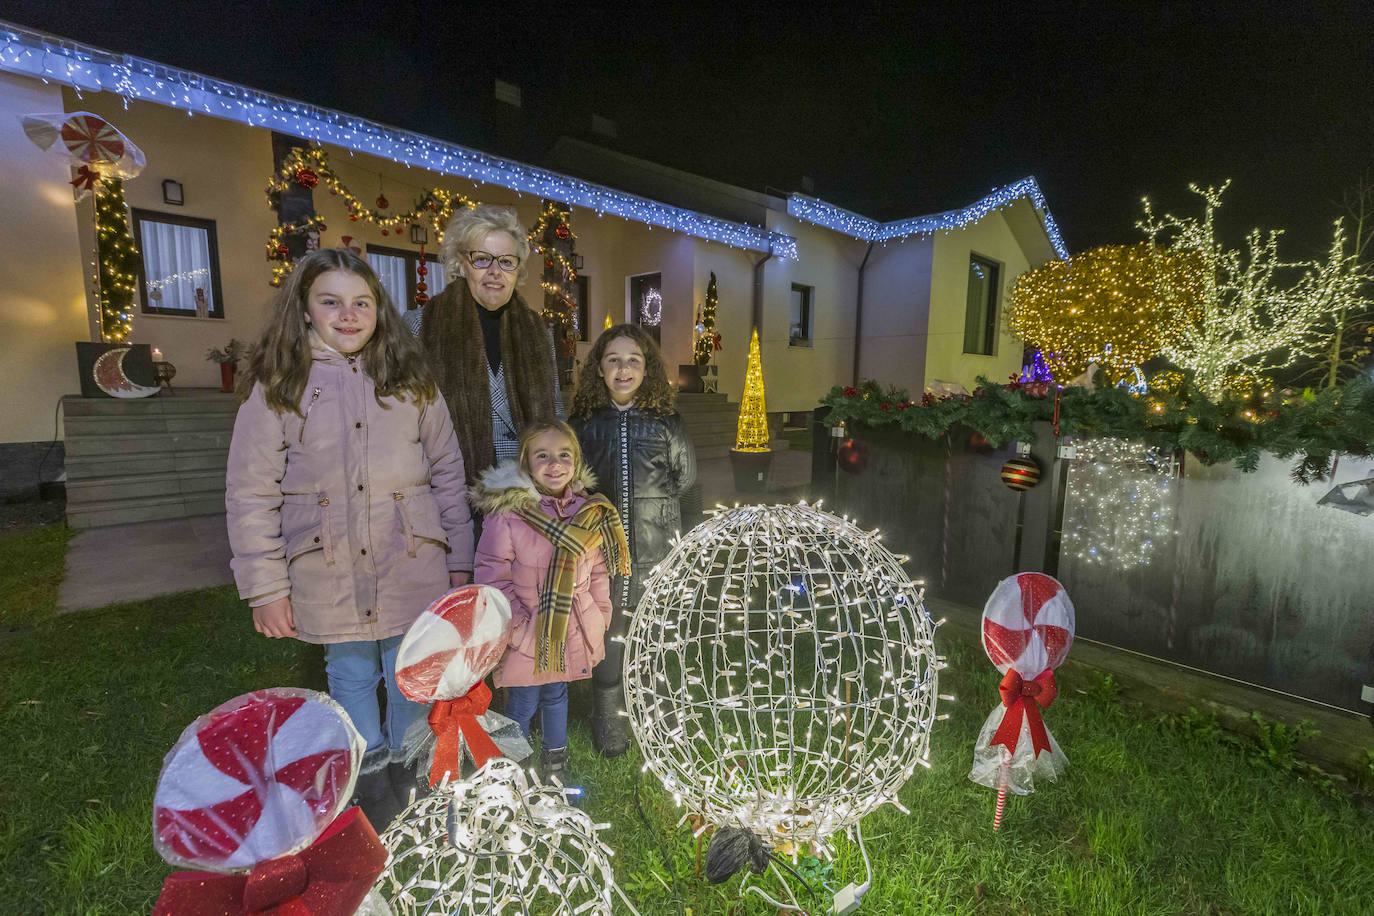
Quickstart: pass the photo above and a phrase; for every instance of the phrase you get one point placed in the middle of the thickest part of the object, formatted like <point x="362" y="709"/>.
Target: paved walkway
<point x="144" y="560"/>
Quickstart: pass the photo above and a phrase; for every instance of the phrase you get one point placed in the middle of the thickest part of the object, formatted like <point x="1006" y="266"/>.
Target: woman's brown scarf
<point x="451" y="335"/>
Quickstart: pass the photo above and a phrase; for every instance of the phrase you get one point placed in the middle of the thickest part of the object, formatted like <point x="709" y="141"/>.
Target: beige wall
<point x="991" y="238"/>
<point x="42" y="299"/>
<point x="896" y="313"/>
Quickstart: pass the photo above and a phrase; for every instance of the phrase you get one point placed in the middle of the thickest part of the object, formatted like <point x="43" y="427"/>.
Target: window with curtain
<point x="799" y="332"/>
<point x="395" y="268"/>
<point x="180" y="273"/>
<point x="980" y="316"/>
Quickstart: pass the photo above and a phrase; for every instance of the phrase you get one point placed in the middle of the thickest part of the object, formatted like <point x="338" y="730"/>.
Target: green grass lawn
<point x="1152" y="816"/>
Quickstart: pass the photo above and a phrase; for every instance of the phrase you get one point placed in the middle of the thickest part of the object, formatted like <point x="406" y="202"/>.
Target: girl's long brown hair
<point x="280" y="359"/>
<point x="654" y="395"/>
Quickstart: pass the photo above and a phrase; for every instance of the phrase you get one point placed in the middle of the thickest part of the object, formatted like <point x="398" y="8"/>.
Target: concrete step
<point x="98" y="490"/>
<point x="126" y="511"/>
<point x="689" y="400"/>
<point x="86" y="467"/>
<point x="142" y="444"/>
<point x="128" y="424"/>
<point x="187" y="400"/>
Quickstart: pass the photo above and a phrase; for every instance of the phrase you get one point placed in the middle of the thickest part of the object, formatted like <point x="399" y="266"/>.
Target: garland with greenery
<point x="1316" y="426"/>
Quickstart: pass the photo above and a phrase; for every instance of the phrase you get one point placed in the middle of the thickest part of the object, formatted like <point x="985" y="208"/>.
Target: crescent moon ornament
<point x="108" y="372"/>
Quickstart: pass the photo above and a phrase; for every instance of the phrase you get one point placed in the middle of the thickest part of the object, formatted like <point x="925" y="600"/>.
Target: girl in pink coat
<point x="547" y="544"/>
<point x="347" y="508"/>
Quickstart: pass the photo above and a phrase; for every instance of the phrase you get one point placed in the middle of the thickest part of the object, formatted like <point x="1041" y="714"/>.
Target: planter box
<point x="751" y="470"/>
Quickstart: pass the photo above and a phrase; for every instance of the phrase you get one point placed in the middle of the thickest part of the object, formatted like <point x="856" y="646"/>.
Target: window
<point x="980" y="318"/>
<point x="395" y="268"/>
<point x="646" y="302"/>
<point x="799" y="332"/>
<point x="180" y="265"/>
<point x="583" y="286"/>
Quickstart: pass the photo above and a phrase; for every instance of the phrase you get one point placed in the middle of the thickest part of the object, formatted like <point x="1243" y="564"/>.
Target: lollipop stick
<point x="1001" y="804"/>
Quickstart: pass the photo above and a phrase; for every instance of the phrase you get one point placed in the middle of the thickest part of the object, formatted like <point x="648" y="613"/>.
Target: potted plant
<point x="228" y="359"/>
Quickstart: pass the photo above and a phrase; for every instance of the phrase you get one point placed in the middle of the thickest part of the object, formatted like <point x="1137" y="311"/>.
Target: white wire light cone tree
<point x="780" y="673"/>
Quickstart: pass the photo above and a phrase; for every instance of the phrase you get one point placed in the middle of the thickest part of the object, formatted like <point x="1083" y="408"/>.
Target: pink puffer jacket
<point x="515" y="558"/>
<point x="355" y="509"/>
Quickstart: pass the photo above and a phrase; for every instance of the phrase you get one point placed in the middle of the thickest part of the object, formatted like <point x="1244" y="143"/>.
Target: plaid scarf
<point x="596" y="524"/>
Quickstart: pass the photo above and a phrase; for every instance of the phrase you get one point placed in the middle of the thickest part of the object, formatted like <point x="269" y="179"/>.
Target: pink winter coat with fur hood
<point x="515" y="558"/>
<point x="354" y="508"/>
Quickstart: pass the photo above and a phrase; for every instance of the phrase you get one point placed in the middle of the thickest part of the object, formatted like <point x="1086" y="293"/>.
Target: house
<point x="835" y="295"/>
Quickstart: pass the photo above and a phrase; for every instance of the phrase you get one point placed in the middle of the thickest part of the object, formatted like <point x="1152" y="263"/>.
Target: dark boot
<point x="375" y="796"/>
<point x="553" y="761"/>
<point x="610" y="730"/>
<point x="404" y="782"/>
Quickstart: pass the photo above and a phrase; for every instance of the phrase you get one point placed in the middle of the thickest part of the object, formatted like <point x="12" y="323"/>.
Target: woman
<point x="491" y="353"/>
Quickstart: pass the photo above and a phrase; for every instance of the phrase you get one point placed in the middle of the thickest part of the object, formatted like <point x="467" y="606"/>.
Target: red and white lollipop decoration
<point x="87" y="141"/>
<point x="257" y="789"/>
<point x="1028" y="626"/>
<point x="445" y="655"/>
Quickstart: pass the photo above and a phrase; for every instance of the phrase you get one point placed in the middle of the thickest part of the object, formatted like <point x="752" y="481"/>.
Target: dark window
<point x="583" y="287"/>
<point x="395" y="269"/>
<point x="799" y="332"/>
<point x="646" y="302"/>
<point x="980" y="318"/>
<point x="180" y="273"/>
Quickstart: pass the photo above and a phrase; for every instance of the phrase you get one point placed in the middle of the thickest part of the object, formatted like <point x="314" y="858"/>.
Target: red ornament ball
<point x="382" y="202"/>
<point x="1021" y="472"/>
<point x="562" y="231"/>
<point x="306" y="178"/>
<point x="422" y="270"/>
<point x="853" y="456"/>
<point x="421" y="298"/>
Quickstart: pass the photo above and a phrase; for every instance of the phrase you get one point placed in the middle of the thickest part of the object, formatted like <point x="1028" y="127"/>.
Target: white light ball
<point x="496" y="842"/>
<point x="780" y="672"/>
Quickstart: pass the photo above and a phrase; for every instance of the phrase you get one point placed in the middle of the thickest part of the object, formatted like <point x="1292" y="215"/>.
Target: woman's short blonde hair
<point x="470" y="226"/>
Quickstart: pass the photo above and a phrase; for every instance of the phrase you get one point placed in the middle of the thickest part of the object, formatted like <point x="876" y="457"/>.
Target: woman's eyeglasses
<point x="482" y="260"/>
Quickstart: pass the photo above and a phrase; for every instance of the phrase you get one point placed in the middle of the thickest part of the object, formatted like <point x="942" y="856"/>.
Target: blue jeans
<point x="354" y="668"/>
<point x="551" y="700"/>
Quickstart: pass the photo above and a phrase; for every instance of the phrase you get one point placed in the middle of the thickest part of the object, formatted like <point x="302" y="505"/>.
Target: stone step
<point x="192" y="400"/>
<point x="86" y="467"/>
<point x="192" y="440"/>
<point x="148" y="423"/>
<point x="142" y="509"/>
<point x="99" y="490"/>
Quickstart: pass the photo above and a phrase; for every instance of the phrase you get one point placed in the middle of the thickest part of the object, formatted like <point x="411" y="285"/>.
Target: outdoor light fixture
<point x="419" y="235"/>
<point x="172" y="193"/>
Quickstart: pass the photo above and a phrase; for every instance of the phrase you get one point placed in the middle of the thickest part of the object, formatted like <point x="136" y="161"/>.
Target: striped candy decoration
<point x="91" y="139"/>
<point x="1021" y="472"/>
<point x="453" y="644"/>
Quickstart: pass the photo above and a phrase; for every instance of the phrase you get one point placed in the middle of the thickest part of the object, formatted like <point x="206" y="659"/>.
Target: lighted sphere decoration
<point x="496" y="842"/>
<point x="780" y="673"/>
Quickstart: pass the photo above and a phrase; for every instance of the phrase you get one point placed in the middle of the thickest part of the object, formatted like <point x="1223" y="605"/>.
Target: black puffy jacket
<point x="643" y="464"/>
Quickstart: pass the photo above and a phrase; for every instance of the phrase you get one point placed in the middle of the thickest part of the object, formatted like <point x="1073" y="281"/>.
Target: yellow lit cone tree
<point x="750" y="458"/>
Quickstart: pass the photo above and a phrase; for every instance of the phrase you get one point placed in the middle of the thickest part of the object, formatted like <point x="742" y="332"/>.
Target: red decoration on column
<point x="307" y="178"/>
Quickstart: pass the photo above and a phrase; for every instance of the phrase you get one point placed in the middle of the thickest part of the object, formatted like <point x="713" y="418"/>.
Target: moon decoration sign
<point x="109" y="375"/>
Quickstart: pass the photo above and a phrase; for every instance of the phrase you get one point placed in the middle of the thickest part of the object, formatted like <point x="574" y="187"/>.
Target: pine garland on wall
<point x="117" y="262"/>
<point x="707" y="341"/>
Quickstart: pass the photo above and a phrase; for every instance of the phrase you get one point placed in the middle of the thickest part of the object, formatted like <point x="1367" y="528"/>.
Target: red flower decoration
<point x="306" y="178"/>
<point x="927" y="400"/>
<point x="904" y="405"/>
<point x="850" y="392"/>
<point x="884" y="406"/>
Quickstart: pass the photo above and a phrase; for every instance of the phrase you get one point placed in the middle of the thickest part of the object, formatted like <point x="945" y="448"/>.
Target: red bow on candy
<point x="85" y="179"/>
<point x="450" y="719"/>
<point x="1040" y="691"/>
<point x="329" y="878"/>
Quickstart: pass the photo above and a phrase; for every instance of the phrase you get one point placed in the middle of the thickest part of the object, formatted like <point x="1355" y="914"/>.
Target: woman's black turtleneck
<point x="491" y="333"/>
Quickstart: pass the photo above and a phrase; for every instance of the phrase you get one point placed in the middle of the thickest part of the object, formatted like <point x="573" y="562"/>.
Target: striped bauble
<point x="1021" y="472"/>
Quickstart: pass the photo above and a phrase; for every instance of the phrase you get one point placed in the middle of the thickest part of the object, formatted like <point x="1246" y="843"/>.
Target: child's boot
<point x="553" y="761"/>
<point x="377" y="799"/>
<point x="404" y="782"/>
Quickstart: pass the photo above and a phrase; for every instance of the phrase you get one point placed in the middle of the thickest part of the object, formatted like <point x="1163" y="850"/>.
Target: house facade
<point x="835" y="296"/>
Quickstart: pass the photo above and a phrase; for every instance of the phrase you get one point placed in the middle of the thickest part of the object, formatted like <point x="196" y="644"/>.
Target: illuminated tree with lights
<point x="1104" y="306"/>
<point x="751" y="435"/>
<point x="704" y="347"/>
<point x="1248" y="318"/>
<point x="117" y="261"/>
<point x="1350" y="330"/>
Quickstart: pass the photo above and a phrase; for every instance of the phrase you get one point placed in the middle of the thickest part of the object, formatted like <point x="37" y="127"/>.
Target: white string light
<point x="1118" y="510"/>
<point x="780" y="673"/>
<point x="497" y="842"/>
<point x="83" y="67"/>
<point x="870" y="230"/>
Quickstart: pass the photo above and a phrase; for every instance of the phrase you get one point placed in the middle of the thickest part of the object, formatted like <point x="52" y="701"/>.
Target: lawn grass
<point x="1151" y="818"/>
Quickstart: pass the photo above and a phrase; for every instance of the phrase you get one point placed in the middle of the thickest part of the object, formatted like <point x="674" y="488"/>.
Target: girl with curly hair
<point x="635" y="442"/>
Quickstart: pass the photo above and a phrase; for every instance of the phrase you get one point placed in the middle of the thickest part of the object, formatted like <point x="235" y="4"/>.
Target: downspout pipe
<point x="756" y="302"/>
<point x="859" y="315"/>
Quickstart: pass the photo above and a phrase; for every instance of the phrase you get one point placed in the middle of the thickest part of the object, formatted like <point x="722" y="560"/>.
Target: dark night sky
<point x="892" y="110"/>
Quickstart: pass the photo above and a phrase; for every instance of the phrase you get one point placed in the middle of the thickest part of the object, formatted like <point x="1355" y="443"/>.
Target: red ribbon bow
<point x="85" y="179"/>
<point x="329" y="878"/>
<point x="1040" y="691"/>
<point x="450" y="719"/>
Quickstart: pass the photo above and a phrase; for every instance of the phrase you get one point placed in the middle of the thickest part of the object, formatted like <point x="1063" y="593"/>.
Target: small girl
<point x="347" y="509"/>
<point x="637" y="446"/>
<point x="546" y="543"/>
